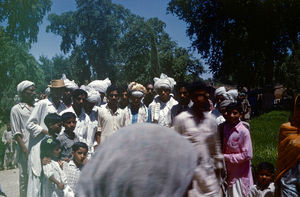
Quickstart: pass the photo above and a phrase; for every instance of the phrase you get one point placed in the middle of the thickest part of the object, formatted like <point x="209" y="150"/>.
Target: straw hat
<point x="57" y="83"/>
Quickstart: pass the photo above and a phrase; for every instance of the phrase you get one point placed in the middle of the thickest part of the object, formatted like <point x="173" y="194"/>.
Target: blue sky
<point x="48" y="43"/>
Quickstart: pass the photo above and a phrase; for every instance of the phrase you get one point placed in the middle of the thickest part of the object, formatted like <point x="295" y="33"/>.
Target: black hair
<point x="123" y="88"/>
<point x="265" y="166"/>
<point x="78" y="145"/>
<point x="47" y="146"/>
<point x="52" y="119"/>
<point x="181" y="85"/>
<point x="111" y="89"/>
<point x="68" y="115"/>
<point x="78" y="92"/>
<point x="197" y="85"/>
<point x="235" y="105"/>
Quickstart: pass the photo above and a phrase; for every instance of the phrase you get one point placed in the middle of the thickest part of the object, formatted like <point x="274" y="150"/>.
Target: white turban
<point x="136" y="89"/>
<point x="100" y="85"/>
<point x="233" y="94"/>
<point x="93" y="95"/>
<point x="69" y="84"/>
<point x="164" y="82"/>
<point x="23" y="85"/>
<point x="220" y="91"/>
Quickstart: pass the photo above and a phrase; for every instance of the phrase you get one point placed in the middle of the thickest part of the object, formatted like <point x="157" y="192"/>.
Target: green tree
<point x="241" y="40"/>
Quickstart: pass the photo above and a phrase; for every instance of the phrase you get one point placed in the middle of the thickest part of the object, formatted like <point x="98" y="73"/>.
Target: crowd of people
<point x="97" y="140"/>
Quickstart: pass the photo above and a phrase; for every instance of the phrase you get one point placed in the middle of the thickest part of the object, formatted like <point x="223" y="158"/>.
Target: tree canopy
<point x="107" y="40"/>
<point x="242" y="40"/>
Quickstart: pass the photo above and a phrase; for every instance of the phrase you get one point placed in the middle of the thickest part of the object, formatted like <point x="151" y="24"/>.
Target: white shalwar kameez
<point x="50" y="188"/>
<point x="35" y="125"/>
<point x="203" y="135"/>
<point x="19" y="116"/>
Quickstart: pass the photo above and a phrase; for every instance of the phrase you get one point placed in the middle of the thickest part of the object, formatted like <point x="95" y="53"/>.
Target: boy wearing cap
<point x="19" y="115"/>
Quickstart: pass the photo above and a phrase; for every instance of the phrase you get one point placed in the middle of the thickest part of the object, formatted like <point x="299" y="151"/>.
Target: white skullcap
<point x="233" y="94"/>
<point x="220" y="91"/>
<point x="138" y="94"/>
<point x="47" y="91"/>
<point x="23" y="85"/>
<point x="69" y="84"/>
<point x="100" y="85"/>
<point x="164" y="82"/>
<point x="93" y="95"/>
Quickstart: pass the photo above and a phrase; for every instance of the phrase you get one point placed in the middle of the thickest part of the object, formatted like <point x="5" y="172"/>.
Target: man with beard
<point x="19" y="115"/>
<point x="70" y="86"/>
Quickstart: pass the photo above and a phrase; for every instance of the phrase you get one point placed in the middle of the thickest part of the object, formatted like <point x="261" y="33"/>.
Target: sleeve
<point x="245" y="148"/>
<point x="35" y="120"/>
<point x="48" y="171"/>
<point x="178" y="126"/>
<point x="15" y="123"/>
<point x="100" y="127"/>
<point x="215" y="147"/>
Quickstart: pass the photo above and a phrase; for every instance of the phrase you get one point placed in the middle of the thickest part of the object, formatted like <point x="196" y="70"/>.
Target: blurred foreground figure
<point x="140" y="160"/>
<point x="288" y="162"/>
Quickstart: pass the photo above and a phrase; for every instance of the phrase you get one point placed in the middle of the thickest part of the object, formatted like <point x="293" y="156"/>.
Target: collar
<point x="116" y="113"/>
<point x="25" y="105"/>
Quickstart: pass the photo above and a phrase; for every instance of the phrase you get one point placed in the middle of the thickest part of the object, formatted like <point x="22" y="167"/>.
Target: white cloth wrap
<point x="140" y="160"/>
<point x="47" y="91"/>
<point x="23" y="85"/>
<point x="68" y="83"/>
<point x="93" y="95"/>
<point x="100" y="85"/>
<point x="220" y="91"/>
<point x="232" y="95"/>
<point x="164" y="81"/>
<point x="138" y="94"/>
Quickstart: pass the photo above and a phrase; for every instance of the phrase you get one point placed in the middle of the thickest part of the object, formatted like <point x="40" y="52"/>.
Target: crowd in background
<point x="52" y="138"/>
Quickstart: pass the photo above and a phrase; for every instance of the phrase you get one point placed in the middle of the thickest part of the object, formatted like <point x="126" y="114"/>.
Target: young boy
<point x="53" y="123"/>
<point x="10" y="144"/>
<point x="237" y="149"/>
<point x="73" y="168"/>
<point x="265" y="185"/>
<point x="68" y="137"/>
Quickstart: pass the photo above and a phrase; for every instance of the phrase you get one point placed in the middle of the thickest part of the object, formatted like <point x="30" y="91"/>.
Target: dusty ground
<point x="9" y="181"/>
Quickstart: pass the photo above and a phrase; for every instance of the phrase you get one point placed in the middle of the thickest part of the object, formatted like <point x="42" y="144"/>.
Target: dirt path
<point x="9" y="181"/>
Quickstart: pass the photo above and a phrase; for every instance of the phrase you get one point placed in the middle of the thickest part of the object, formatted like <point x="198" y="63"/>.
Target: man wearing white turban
<point x="18" y="117"/>
<point x="70" y="86"/>
<point x="220" y="95"/>
<point x="161" y="106"/>
<point x="101" y="86"/>
<point x="91" y="110"/>
<point x="136" y="111"/>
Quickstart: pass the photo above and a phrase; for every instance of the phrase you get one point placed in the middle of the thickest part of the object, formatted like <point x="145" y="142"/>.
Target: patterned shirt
<point x="66" y="144"/>
<point x="72" y="173"/>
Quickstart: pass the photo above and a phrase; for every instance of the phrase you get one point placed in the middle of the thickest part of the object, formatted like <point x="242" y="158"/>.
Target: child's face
<point x="56" y="151"/>
<point x="265" y="177"/>
<point x="79" y="156"/>
<point x="70" y="124"/>
<point x="233" y="116"/>
<point x="56" y="128"/>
